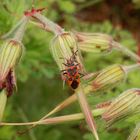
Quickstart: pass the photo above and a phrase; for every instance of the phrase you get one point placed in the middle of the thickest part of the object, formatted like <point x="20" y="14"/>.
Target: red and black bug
<point x="71" y="75"/>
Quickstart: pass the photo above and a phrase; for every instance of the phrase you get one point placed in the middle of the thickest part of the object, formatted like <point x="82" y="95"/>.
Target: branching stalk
<point x="57" y="120"/>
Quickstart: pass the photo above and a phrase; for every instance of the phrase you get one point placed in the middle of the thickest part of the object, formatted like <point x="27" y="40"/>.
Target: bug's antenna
<point x="33" y="3"/>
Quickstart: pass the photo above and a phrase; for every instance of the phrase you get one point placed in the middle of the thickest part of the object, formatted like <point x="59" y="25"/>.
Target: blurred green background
<point x="38" y="78"/>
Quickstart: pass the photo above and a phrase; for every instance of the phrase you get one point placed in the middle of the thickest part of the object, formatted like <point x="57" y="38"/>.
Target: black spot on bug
<point x="74" y="84"/>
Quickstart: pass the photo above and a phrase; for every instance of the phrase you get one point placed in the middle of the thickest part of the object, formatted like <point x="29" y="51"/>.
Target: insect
<point x="71" y="75"/>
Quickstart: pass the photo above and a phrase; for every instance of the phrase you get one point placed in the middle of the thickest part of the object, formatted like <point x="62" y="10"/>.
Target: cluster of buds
<point x="63" y="46"/>
<point x="104" y="80"/>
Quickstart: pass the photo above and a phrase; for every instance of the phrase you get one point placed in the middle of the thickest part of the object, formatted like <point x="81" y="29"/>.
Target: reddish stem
<point x="33" y="11"/>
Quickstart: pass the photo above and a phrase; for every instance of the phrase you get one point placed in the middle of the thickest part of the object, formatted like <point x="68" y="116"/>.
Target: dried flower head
<point x="108" y="78"/>
<point x="124" y="105"/>
<point x="94" y="42"/>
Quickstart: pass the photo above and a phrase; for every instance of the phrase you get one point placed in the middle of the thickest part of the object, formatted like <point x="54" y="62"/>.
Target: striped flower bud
<point x="94" y="42"/>
<point x="62" y="48"/>
<point x="124" y="105"/>
<point x="108" y="78"/>
<point x="135" y="135"/>
<point x="3" y="100"/>
<point x="10" y="53"/>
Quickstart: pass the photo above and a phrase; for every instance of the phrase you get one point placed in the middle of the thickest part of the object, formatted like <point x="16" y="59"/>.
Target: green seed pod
<point x="94" y="42"/>
<point x="62" y="47"/>
<point x="108" y="78"/>
<point x="3" y="100"/>
<point x="10" y="54"/>
<point x="124" y="105"/>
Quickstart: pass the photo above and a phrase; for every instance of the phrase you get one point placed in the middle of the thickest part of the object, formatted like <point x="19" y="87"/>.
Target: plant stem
<point x="55" y="28"/>
<point x="131" y="67"/>
<point x="18" y="30"/>
<point x="126" y="51"/>
<point x="3" y="100"/>
<point x="24" y="118"/>
<point x="86" y="111"/>
<point x="57" y="120"/>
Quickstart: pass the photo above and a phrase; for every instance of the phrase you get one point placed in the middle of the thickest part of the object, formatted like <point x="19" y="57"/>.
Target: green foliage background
<point x="39" y="83"/>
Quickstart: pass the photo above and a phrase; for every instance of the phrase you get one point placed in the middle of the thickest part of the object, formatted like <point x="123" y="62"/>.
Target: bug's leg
<point x="65" y="64"/>
<point x="63" y="59"/>
<point x="64" y="76"/>
<point x="76" y="52"/>
<point x="80" y="67"/>
<point x="62" y="70"/>
<point x="65" y="73"/>
<point x="78" y="64"/>
<point x="81" y="74"/>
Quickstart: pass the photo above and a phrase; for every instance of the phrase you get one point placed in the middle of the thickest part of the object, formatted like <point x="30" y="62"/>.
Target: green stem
<point x="126" y="51"/>
<point x="57" y="120"/>
<point x="55" y="28"/>
<point x="3" y="100"/>
<point x="18" y="30"/>
<point x="131" y="67"/>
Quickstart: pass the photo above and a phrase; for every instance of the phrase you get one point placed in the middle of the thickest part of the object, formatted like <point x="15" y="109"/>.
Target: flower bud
<point x="62" y="48"/>
<point x="108" y="78"/>
<point x="94" y="42"/>
<point x="10" y="54"/>
<point x="3" y="100"/>
<point x="124" y="105"/>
